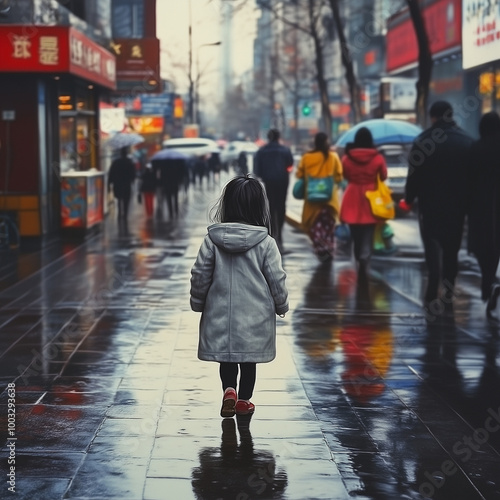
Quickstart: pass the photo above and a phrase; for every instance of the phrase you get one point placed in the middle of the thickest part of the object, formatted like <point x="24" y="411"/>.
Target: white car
<point x="231" y="151"/>
<point x="192" y="145"/>
<point x="396" y="158"/>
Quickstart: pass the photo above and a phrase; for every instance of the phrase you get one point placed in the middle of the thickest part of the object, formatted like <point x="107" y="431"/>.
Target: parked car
<point x="231" y="151"/>
<point x="396" y="158"/>
<point x="191" y="145"/>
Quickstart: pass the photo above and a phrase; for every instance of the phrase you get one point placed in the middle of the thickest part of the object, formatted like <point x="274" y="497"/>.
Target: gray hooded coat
<point x="238" y="284"/>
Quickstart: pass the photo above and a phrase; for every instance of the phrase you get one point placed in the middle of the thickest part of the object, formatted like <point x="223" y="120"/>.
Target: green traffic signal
<point x="306" y="109"/>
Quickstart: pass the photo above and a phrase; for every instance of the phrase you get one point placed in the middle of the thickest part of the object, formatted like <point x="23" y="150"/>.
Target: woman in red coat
<point x="362" y="163"/>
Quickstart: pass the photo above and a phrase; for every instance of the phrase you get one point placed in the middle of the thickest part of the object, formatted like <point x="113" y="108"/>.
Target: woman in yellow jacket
<point x="318" y="219"/>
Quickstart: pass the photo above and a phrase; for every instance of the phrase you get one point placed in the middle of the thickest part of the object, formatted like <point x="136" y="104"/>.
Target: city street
<point x="368" y="397"/>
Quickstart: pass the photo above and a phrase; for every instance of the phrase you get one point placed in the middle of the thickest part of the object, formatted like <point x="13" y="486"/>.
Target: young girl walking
<point x="238" y="284"/>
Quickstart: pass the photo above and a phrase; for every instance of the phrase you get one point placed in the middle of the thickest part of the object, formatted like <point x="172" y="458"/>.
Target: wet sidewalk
<point x="367" y="397"/>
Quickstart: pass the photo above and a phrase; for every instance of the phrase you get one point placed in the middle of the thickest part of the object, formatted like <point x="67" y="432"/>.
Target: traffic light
<point x="178" y="107"/>
<point x="306" y="109"/>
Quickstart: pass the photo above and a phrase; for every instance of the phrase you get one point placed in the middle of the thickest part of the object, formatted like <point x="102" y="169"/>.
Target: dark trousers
<point x="229" y="374"/>
<point x="441" y="258"/>
<point x="123" y="203"/>
<point x="276" y="194"/>
<point x="362" y="240"/>
<point x="488" y="261"/>
<point x="172" y="196"/>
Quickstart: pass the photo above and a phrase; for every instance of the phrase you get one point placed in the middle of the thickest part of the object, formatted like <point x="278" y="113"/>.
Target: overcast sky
<point x="172" y="30"/>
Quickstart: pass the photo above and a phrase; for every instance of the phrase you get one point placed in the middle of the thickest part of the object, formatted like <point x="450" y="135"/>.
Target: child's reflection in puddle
<point x="236" y="470"/>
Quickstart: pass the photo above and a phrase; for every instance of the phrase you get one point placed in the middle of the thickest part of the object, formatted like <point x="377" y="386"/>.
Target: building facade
<point x="54" y="70"/>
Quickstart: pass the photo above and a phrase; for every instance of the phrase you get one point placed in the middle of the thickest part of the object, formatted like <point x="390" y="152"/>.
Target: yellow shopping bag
<point x="381" y="201"/>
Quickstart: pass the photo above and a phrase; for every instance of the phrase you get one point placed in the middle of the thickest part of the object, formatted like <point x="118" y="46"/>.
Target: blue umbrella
<point x="384" y="132"/>
<point x="169" y="154"/>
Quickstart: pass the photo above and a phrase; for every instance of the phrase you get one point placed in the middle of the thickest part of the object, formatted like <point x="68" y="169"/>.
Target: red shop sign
<point x="443" y="22"/>
<point x="137" y="59"/>
<point x="55" y="49"/>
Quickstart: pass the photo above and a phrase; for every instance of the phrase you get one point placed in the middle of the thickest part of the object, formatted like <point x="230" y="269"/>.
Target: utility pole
<point x="191" y="81"/>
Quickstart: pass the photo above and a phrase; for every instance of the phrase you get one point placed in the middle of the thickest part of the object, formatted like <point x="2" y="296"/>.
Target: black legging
<point x="229" y="374"/>
<point x="362" y="238"/>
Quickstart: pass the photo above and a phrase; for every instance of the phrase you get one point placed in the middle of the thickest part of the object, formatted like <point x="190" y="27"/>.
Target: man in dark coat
<point x="437" y="176"/>
<point x="121" y="176"/>
<point x="484" y="206"/>
<point x="273" y="164"/>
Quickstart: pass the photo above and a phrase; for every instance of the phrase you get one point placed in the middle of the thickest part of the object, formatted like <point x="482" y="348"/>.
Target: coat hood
<point x="235" y="237"/>
<point x="362" y="155"/>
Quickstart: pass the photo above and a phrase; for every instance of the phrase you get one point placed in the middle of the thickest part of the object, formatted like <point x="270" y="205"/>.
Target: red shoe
<point x="228" y="403"/>
<point x="244" y="407"/>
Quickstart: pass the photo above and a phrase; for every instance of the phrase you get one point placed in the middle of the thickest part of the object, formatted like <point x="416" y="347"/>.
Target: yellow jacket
<point x="313" y="164"/>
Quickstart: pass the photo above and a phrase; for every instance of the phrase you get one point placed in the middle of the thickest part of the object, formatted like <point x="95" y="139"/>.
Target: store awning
<point x="55" y="49"/>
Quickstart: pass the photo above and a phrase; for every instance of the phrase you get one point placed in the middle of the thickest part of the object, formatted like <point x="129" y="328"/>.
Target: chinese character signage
<point x="55" y="49"/>
<point x="480" y="32"/>
<point x="138" y="60"/>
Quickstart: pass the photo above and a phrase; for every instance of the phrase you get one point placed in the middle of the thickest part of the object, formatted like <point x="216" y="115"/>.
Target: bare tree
<point x="313" y="10"/>
<point x="351" y="79"/>
<point x="425" y="61"/>
<point x="314" y="23"/>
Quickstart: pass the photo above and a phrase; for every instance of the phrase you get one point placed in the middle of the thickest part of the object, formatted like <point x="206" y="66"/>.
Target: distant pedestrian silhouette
<point x="121" y="176"/>
<point x="273" y="163"/>
<point x="171" y="173"/>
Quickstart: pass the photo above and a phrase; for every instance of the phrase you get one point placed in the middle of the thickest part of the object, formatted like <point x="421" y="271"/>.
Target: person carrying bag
<point x="320" y="170"/>
<point x="364" y="168"/>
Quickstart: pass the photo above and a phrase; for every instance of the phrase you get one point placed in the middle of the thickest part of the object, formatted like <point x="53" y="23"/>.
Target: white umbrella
<point x="124" y="140"/>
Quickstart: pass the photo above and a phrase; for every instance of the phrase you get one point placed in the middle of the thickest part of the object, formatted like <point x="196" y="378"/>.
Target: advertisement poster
<point x="73" y="201"/>
<point x="95" y="200"/>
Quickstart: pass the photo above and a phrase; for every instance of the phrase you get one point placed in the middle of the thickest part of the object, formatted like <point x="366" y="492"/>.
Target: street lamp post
<point x="198" y="75"/>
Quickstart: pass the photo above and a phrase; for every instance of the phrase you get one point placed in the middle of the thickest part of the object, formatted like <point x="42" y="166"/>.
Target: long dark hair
<point x="321" y="144"/>
<point x="364" y="139"/>
<point x="243" y="199"/>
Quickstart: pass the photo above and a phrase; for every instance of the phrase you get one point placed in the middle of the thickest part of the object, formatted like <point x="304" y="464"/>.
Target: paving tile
<point x="46" y="488"/>
<point x="156" y="489"/>
<point x="107" y="477"/>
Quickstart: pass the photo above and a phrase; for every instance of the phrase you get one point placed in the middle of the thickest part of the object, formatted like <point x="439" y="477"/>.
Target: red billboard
<point x="443" y="22"/>
<point x="55" y="49"/>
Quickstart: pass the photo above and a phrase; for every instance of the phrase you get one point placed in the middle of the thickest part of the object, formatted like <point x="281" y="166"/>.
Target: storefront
<point x="481" y="55"/>
<point x="52" y="80"/>
<point x="443" y="20"/>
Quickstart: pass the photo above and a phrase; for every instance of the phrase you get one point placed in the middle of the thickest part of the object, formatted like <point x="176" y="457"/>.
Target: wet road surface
<point x="368" y="397"/>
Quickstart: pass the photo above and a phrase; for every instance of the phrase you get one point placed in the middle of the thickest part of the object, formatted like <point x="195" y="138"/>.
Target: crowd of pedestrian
<point x="455" y="180"/>
<point x="452" y="176"/>
<point x="159" y="180"/>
